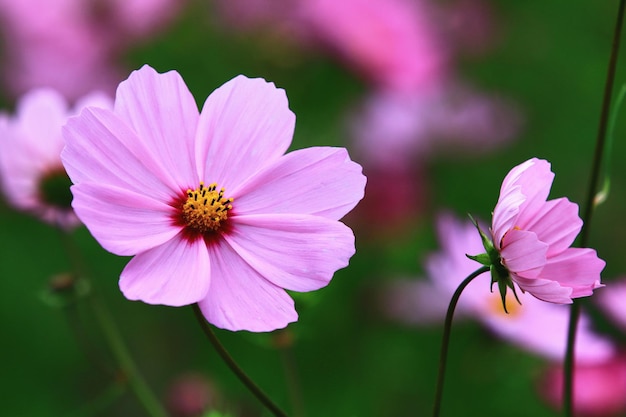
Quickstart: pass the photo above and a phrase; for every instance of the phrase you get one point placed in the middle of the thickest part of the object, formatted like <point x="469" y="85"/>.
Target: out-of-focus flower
<point x="72" y="45"/>
<point x="599" y="388"/>
<point x="533" y="236"/>
<point x="396" y="129"/>
<point x="399" y="194"/>
<point x="191" y="395"/>
<point x="393" y="43"/>
<point x="534" y="325"/>
<point x="471" y="26"/>
<point x="33" y="177"/>
<point x="208" y="203"/>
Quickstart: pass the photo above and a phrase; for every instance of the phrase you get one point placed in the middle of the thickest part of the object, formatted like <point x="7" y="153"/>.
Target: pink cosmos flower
<point x="33" y="177"/>
<point x="211" y="208"/>
<point x="533" y="237"/>
<point x="599" y="388"/>
<point x="534" y="325"/>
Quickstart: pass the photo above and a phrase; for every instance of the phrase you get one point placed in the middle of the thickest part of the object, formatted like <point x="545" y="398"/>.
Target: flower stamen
<point x="206" y="209"/>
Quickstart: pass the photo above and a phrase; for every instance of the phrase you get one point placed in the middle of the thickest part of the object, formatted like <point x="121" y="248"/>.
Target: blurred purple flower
<point x="139" y="174"/>
<point x="33" y="177"/>
<point x="395" y="129"/>
<point x="534" y="325"/>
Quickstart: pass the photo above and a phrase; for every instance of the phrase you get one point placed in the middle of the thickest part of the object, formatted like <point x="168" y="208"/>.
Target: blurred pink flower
<point x="395" y="129"/>
<point x="148" y="182"/>
<point x="533" y="237"/>
<point x="397" y="192"/>
<point x="191" y="395"/>
<point x="72" y="45"/>
<point x="393" y="43"/>
<point x="47" y="44"/>
<point x="534" y="325"/>
<point x="33" y="177"/>
<point x="599" y="388"/>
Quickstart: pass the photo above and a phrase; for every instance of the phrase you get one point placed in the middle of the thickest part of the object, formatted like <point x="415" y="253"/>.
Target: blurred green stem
<point x="447" y="328"/>
<point x="136" y="382"/>
<point x="114" y="339"/>
<point x="568" y="368"/>
<point x="243" y="377"/>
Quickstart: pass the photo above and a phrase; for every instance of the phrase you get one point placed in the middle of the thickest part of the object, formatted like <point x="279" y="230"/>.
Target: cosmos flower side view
<point x="532" y="237"/>
<point x="208" y="203"/>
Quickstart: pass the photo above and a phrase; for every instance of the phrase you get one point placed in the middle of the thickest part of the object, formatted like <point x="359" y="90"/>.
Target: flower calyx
<point x="492" y="259"/>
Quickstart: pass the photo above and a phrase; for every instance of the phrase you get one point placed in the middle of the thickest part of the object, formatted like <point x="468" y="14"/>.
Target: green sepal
<point x="482" y="258"/>
<point x="499" y="273"/>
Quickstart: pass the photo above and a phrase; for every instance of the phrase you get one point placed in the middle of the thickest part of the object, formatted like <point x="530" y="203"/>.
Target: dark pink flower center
<point x="205" y="210"/>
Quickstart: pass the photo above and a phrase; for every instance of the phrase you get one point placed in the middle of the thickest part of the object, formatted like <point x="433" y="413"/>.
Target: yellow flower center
<point x="206" y="209"/>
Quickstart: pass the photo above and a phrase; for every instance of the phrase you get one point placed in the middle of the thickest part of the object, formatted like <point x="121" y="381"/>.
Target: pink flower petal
<point x="100" y="148"/>
<point x="523" y="253"/>
<point x="545" y="289"/>
<point x="244" y="125"/>
<point x="319" y="181"/>
<point x="40" y="115"/>
<point x="295" y="252"/>
<point x="123" y="221"/>
<point x="578" y="268"/>
<point x="505" y="213"/>
<point x="240" y="298"/>
<point x="557" y="224"/>
<point x="176" y="273"/>
<point x="164" y="115"/>
<point x="535" y="180"/>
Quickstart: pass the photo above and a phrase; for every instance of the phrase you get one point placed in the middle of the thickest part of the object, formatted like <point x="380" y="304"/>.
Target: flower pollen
<point x="206" y="209"/>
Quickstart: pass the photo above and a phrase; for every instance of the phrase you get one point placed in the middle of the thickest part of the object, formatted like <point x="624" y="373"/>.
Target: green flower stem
<point x="568" y="368"/>
<point x="136" y="382"/>
<point x="446" y="336"/>
<point x="291" y="373"/>
<point x="243" y="377"/>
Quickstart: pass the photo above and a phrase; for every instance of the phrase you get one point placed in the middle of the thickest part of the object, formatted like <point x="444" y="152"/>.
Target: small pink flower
<point x="33" y="177"/>
<point x="213" y="210"/>
<point x="533" y="237"/>
<point x="535" y="326"/>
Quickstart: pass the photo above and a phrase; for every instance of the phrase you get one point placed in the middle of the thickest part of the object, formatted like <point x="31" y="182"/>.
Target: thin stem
<point x="568" y="368"/>
<point x="114" y="339"/>
<point x="447" y="328"/>
<point x="125" y="361"/>
<point x="243" y="377"/>
<point x="283" y="340"/>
